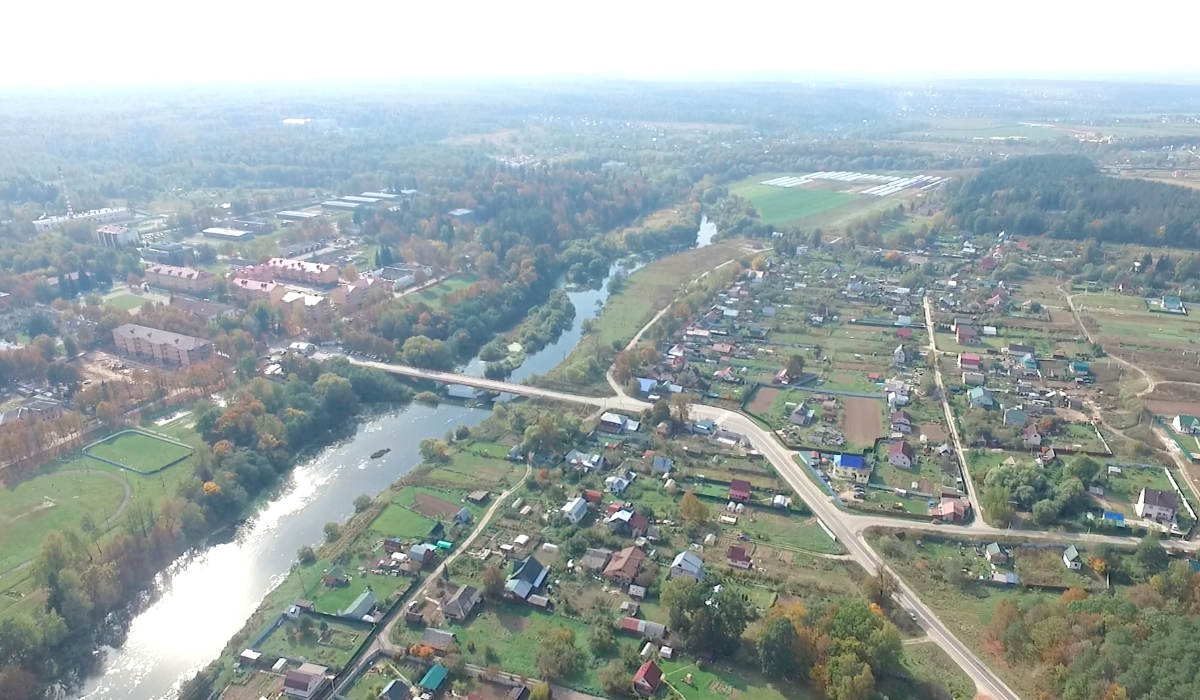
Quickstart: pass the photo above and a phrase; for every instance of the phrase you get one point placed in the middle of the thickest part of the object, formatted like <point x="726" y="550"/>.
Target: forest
<point x="1141" y="643"/>
<point x="1067" y="197"/>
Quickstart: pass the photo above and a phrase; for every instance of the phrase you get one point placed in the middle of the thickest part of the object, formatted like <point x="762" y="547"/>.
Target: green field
<point x="344" y="640"/>
<point x="125" y="301"/>
<point x="435" y="295"/>
<point x="330" y="600"/>
<point x="723" y="682"/>
<point x="31" y="509"/>
<point x="139" y="451"/>
<point x="777" y="205"/>
<point x="398" y="521"/>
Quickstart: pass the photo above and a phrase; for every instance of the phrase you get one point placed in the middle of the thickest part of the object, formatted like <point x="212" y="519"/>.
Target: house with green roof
<point x="980" y="397"/>
<point x="433" y="678"/>
<point x="1188" y="425"/>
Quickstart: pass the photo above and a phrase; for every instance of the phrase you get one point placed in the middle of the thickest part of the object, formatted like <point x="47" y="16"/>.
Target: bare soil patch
<point x="1188" y="393"/>
<point x="764" y="398"/>
<point x="933" y="431"/>
<point x="1173" y="408"/>
<point x="259" y="685"/>
<point x="862" y="423"/>
<point x="513" y="623"/>
<point x="434" y="507"/>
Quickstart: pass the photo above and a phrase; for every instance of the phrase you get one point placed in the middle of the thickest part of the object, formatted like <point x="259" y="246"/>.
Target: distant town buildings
<point x="114" y="236"/>
<point x="99" y="216"/>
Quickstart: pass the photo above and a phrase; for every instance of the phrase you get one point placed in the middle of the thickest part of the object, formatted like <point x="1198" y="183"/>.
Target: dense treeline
<point x="1067" y="197"/>
<point x="1138" y="644"/>
<point x="90" y="578"/>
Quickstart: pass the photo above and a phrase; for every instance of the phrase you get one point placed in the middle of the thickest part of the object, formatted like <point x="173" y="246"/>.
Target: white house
<point x="901" y="422"/>
<point x="687" y="564"/>
<point x="1030" y="436"/>
<point x="1159" y="506"/>
<point x="305" y="681"/>
<point x="901" y="455"/>
<point x="1183" y="423"/>
<point x="1071" y="558"/>
<point x="899" y="356"/>
<point x="575" y="509"/>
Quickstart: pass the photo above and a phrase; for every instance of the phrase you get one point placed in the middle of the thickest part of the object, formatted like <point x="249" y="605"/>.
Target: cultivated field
<point x="777" y="205"/>
<point x="863" y="421"/>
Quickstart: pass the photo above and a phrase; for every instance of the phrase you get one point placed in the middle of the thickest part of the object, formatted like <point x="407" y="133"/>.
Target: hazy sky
<point x="72" y="42"/>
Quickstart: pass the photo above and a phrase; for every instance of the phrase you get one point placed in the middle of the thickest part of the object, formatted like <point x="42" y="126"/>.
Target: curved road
<point x="847" y="527"/>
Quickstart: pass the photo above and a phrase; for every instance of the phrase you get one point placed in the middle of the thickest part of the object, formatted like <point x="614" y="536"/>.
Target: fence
<point x="1174" y="436"/>
<point x="138" y="431"/>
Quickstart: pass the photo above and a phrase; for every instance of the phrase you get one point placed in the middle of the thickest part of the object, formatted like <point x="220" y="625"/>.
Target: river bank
<point x="213" y="593"/>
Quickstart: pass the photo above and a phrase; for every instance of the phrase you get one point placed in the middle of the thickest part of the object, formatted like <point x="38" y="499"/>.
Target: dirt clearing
<point x="933" y="431"/>
<point x="764" y="398"/>
<point x="862" y="423"/>
<point x="1173" y="408"/>
<point x="434" y="507"/>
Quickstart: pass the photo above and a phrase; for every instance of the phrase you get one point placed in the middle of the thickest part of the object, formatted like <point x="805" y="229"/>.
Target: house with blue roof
<point x="661" y="465"/>
<point x="1029" y="362"/>
<point x="1080" y="369"/>
<point x="646" y="385"/>
<point x="433" y="678"/>
<point x="851" y="468"/>
<point x="528" y="575"/>
<point x="980" y="397"/>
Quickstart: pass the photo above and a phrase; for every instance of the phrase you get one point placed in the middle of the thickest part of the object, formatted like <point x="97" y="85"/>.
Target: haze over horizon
<point x="136" y="42"/>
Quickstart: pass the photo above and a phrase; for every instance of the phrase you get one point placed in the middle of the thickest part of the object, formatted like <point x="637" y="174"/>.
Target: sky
<point x="247" y="42"/>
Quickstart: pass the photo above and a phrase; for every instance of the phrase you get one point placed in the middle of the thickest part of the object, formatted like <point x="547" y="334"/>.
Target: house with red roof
<point x="647" y="679"/>
<point x="739" y="490"/>
<point x="901" y="455"/>
<point x="968" y="360"/>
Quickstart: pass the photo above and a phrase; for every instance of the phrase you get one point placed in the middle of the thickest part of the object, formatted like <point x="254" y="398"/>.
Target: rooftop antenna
<point x="62" y="183"/>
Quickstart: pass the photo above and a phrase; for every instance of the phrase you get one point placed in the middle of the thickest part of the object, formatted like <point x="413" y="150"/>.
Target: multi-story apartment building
<point x="181" y="278"/>
<point x="163" y="347"/>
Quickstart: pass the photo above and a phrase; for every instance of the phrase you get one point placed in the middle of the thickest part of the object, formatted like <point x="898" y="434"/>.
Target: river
<point x="207" y="596"/>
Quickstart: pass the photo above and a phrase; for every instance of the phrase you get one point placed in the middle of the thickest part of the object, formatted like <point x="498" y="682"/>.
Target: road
<point x="944" y="397"/>
<point x="612" y="403"/>
<point x="783" y="460"/>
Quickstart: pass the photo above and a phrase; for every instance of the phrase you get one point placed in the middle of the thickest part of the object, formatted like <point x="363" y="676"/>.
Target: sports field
<point x="777" y="205"/>
<point x="139" y="451"/>
<point x="32" y="508"/>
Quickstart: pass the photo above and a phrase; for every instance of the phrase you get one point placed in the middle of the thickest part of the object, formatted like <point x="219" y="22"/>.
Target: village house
<point x="980" y="397"/>
<point x="528" y="576"/>
<point x="461" y="604"/>
<point x="968" y="361"/>
<point x="901" y="422"/>
<point x="1030" y="436"/>
<point x="1019" y="350"/>
<point x="739" y="490"/>
<point x="304" y="682"/>
<point x="616" y="424"/>
<point x="1188" y="425"/>
<point x="994" y="554"/>
<point x="587" y="462"/>
<point x="901" y="455"/>
<point x="1015" y="416"/>
<point x="595" y="559"/>
<point x="687" y="564"/>
<point x="647" y="679"/>
<point x="802" y="415"/>
<point x="899" y="356"/>
<point x="661" y="465"/>
<point x="438" y="640"/>
<point x="1158" y="506"/>
<point x="624" y="566"/>
<point x="851" y="468"/>
<point x="1071" y="558"/>
<point x="951" y="510"/>
<point x="737" y="558"/>
<point x="974" y="378"/>
<point x="575" y="510"/>
<point x="966" y="335"/>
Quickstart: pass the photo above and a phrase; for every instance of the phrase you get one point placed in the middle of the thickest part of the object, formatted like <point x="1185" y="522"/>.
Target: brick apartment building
<point x="163" y="347"/>
<point x="179" y="278"/>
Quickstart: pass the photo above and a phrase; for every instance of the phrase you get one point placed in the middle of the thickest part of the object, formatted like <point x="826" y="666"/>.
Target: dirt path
<point x="1184" y="462"/>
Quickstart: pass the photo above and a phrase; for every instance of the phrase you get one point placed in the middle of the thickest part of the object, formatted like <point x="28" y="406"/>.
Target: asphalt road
<point x="821" y="504"/>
